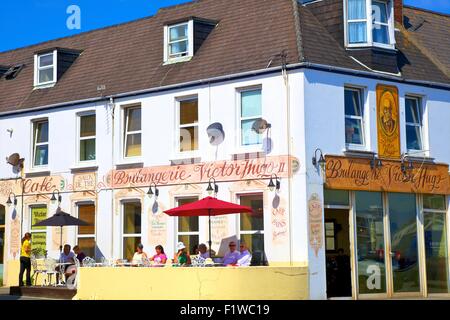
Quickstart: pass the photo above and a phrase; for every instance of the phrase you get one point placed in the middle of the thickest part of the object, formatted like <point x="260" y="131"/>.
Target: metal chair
<point x="71" y="281"/>
<point x="146" y="262"/>
<point x="50" y="265"/>
<point x="37" y="271"/>
<point x="88" y="262"/>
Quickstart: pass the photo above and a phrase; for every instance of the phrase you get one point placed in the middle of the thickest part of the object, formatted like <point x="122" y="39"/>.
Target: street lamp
<point x="9" y="202"/>
<point x="53" y="198"/>
<point x="275" y="185"/>
<point x="321" y="161"/>
<point x="150" y="191"/>
<point x="210" y="189"/>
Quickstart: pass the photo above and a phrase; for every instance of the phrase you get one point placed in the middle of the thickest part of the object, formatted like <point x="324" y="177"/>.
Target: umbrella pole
<point x="210" y="242"/>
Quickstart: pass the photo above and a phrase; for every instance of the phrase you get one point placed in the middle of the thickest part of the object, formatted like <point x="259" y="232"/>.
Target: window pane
<point x="352" y="103"/>
<point x="87" y="126"/>
<point x="133" y="147"/>
<point x="434" y="201"/>
<point x="45" y="75"/>
<point x="436" y="252"/>
<point x="251" y="103"/>
<point x="252" y="221"/>
<point x="41" y="132"/>
<point x="46" y="60"/>
<point x="255" y="244"/>
<point x="129" y="247"/>
<point x="187" y="224"/>
<point x="41" y="156"/>
<point x="134" y="119"/>
<point x="132" y="218"/>
<point x="188" y="139"/>
<point x="413" y="139"/>
<point x="380" y="34"/>
<point x="188" y="112"/>
<point x="336" y="197"/>
<point x="379" y="12"/>
<point x="37" y="215"/>
<point x="249" y="136"/>
<point x="179" y="47"/>
<point x="370" y="242"/>
<point x="189" y="241"/>
<point x="353" y="131"/>
<point x="39" y="240"/>
<point x="87" y="214"/>
<point x="356" y="9"/>
<point x="357" y="32"/>
<point x="178" y="32"/>
<point x="87" y="245"/>
<point x="87" y="150"/>
<point x="412" y="111"/>
<point x="403" y="227"/>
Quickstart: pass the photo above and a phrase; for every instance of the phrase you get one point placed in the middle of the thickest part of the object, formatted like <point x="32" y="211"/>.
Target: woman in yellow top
<point x="25" y="262"/>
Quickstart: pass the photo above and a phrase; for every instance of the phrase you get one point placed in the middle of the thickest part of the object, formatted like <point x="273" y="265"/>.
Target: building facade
<point x="347" y="118"/>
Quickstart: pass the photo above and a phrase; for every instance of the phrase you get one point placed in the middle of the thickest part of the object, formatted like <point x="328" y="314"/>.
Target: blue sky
<point x="26" y="22"/>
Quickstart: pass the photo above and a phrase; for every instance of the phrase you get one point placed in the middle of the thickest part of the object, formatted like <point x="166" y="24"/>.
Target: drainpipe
<point x="113" y="108"/>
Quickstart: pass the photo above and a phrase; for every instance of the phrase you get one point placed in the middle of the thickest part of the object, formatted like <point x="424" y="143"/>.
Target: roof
<point x="249" y="34"/>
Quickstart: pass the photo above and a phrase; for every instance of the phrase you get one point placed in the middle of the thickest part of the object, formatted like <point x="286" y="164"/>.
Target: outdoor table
<point x="58" y="264"/>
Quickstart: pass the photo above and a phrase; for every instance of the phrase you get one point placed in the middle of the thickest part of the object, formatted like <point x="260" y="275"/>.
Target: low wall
<point x="171" y="283"/>
<point x="12" y="274"/>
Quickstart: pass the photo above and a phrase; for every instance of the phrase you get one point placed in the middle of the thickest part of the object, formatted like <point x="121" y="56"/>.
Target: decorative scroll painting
<point x="279" y="221"/>
<point x="315" y="223"/>
<point x="388" y="122"/>
<point x="157" y="226"/>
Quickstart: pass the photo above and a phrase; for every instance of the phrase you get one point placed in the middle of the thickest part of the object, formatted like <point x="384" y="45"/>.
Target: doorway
<point x="2" y="241"/>
<point x="338" y="252"/>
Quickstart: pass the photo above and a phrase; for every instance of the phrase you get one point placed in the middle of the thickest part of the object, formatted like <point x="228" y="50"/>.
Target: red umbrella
<point x="208" y="206"/>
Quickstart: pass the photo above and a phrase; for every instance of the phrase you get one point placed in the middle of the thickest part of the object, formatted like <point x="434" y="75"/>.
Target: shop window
<point x="38" y="234"/>
<point x="132" y="134"/>
<point x="87" y="132"/>
<point x="251" y="227"/>
<point x="414" y="126"/>
<point x="354" y="117"/>
<point x="336" y="197"/>
<point x="188" y="125"/>
<point x="131" y="228"/>
<point x="40" y="143"/>
<point x="250" y="111"/>
<point x="188" y="227"/>
<point x="86" y="234"/>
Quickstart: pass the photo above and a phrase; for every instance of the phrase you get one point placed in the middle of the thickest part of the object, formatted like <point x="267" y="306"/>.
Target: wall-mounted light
<point x="406" y="164"/>
<point x="274" y="186"/>
<point x="9" y="202"/>
<point x="321" y="161"/>
<point x="54" y="199"/>
<point x="375" y="162"/>
<point x="150" y="191"/>
<point x="210" y="189"/>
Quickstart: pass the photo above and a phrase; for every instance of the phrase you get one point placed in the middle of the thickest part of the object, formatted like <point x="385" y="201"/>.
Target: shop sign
<point x="85" y="181"/>
<point x="388" y="122"/>
<point x="356" y="174"/>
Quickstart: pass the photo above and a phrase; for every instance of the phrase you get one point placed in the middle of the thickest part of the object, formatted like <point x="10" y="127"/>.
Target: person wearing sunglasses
<point x="232" y="256"/>
<point x="245" y="257"/>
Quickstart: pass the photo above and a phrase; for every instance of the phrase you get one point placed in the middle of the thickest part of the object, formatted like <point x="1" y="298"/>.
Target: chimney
<point x="398" y="11"/>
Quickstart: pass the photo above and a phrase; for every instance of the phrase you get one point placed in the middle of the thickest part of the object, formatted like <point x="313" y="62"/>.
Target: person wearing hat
<point x="181" y="257"/>
<point x="139" y="254"/>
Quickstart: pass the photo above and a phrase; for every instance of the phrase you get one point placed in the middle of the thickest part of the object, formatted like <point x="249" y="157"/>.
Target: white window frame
<point x="34" y="144"/>
<point x="252" y="147"/>
<point x="238" y="219"/>
<point x="179" y="126"/>
<point x="122" y="216"/>
<point x="124" y="139"/>
<point x="369" y="26"/>
<point x="87" y="236"/>
<point x="190" y="53"/>
<point x="38" y="68"/>
<point x="30" y="210"/>
<point x="79" y="138"/>
<point x="412" y="124"/>
<point x="186" y="233"/>
<point x="354" y="146"/>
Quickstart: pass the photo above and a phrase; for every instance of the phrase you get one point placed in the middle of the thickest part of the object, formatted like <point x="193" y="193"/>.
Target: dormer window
<point x="179" y="43"/>
<point x="45" y="72"/>
<point x="370" y="23"/>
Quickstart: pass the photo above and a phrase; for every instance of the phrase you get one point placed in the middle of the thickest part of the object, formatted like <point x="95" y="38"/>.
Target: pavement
<point x="4" y="295"/>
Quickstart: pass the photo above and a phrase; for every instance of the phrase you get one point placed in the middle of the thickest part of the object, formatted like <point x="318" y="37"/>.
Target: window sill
<point x="44" y="86"/>
<point x="129" y="165"/>
<point x="352" y="151"/>
<point x="178" y="60"/>
<point x="41" y="172"/>
<point x="84" y="167"/>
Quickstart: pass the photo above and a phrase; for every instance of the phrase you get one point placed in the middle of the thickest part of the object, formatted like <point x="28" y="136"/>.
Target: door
<point x="2" y="240"/>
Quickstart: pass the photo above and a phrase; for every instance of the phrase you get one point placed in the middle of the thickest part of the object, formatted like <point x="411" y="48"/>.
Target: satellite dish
<point x="260" y="126"/>
<point x="15" y="160"/>
<point x="215" y="133"/>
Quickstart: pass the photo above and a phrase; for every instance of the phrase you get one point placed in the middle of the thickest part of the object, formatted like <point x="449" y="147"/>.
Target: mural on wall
<point x="84" y="181"/>
<point x="388" y="122"/>
<point x="279" y="221"/>
<point x="14" y="237"/>
<point x="157" y="226"/>
<point x="315" y="223"/>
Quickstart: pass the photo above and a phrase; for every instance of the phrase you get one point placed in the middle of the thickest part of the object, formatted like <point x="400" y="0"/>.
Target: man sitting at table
<point x="67" y="258"/>
<point x="232" y="256"/>
<point x="245" y="257"/>
<point x="204" y="252"/>
<point x="80" y="254"/>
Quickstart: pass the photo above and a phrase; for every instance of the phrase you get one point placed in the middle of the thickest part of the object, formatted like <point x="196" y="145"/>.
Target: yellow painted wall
<point x="171" y="283"/>
<point x="12" y="275"/>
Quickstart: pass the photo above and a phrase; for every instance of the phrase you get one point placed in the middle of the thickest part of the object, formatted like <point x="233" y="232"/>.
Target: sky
<point x="27" y="22"/>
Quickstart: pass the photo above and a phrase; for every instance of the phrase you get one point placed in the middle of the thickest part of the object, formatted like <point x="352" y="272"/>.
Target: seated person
<point x="195" y="249"/>
<point x="181" y="257"/>
<point x="80" y="254"/>
<point x="204" y="252"/>
<point x="160" y="257"/>
<point x="232" y="256"/>
<point x="67" y="258"/>
<point x="245" y="257"/>
<point x="138" y="255"/>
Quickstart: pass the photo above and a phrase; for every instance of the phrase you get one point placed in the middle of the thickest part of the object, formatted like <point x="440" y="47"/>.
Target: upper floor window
<point x="413" y="106"/>
<point x="40" y="143"/>
<point x="370" y="22"/>
<point x="132" y="133"/>
<point x="45" y="68"/>
<point x="250" y="111"/>
<point x="188" y="125"/>
<point x="354" y="117"/>
<point x="178" y="43"/>
<point x="86" y="142"/>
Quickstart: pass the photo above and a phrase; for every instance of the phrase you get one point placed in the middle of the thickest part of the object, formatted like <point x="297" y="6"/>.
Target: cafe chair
<point x="50" y="266"/>
<point x="145" y="262"/>
<point x="88" y="262"/>
<point x="37" y="271"/>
